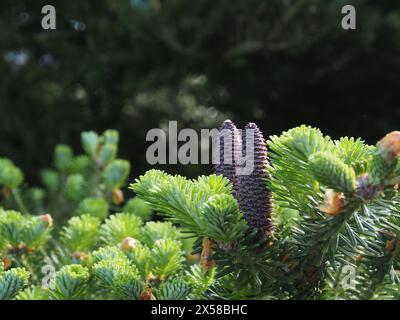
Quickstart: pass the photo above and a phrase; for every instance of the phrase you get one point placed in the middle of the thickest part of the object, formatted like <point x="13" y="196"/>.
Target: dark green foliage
<point x="175" y="289"/>
<point x="99" y="253"/>
<point x="70" y="282"/>
<point x="81" y="184"/>
<point x="81" y="234"/>
<point x="139" y="208"/>
<point x="332" y="172"/>
<point x="120" y="226"/>
<point x="12" y="281"/>
<point x="96" y="207"/>
<point x="111" y="64"/>
<point x="192" y="203"/>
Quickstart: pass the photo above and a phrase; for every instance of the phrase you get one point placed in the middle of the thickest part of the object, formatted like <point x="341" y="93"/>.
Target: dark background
<point x="134" y="65"/>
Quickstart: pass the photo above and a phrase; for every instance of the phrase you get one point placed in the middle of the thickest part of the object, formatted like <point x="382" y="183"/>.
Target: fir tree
<point x="323" y="207"/>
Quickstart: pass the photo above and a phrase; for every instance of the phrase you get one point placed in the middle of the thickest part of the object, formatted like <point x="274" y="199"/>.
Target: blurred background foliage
<point x="132" y="65"/>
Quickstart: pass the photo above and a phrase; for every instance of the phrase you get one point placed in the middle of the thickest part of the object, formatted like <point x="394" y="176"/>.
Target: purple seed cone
<point x="229" y="138"/>
<point x="253" y="196"/>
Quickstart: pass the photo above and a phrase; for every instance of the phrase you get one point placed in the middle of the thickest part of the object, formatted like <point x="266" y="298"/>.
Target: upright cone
<point x="253" y="195"/>
<point x="229" y="147"/>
